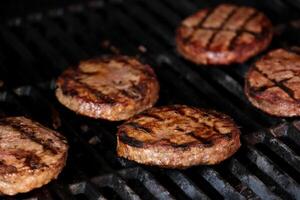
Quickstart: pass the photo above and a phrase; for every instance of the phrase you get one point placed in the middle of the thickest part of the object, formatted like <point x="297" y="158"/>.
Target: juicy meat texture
<point x="109" y="87"/>
<point x="273" y="83"/>
<point x="30" y="155"/>
<point x="223" y="35"/>
<point x="178" y="136"/>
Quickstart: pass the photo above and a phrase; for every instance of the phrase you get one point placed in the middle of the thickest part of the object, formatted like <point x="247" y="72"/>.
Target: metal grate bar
<point x="61" y="190"/>
<point x="283" y="151"/>
<point x="92" y="193"/>
<point x="269" y="168"/>
<point x="293" y="133"/>
<point x="250" y="180"/>
<point x="148" y="181"/>
<point x="117" y="184"/>
<point x="213" y="177"/>
<point x="186" y="185"/>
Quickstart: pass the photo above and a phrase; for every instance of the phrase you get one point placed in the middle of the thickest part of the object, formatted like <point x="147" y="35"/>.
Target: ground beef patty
<point x="30" y="155"/>
<point x="178" y="136"/>
<point x="273" y="83"/>
<point x="109" y="87"/>
<point x="223" y="35"/>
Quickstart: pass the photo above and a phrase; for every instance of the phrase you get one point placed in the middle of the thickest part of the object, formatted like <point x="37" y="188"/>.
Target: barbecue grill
<point x="35" y="49"/>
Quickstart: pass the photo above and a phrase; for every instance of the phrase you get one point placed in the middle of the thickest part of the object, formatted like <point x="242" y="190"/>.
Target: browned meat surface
<point x="273" y="83"/>
<point x="110" y="87"/>
<point x="30" y="155"/>
<point x="223" y="35"/>
<point x="178" y="136"/>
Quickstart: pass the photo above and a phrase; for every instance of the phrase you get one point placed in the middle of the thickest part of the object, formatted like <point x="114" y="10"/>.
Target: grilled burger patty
<point x="223" y="35"/>
<point x="178" y="136"/>
<point x="273" y="83"/>
<point x="109" y="87"/>
<point x="31" y="155"/>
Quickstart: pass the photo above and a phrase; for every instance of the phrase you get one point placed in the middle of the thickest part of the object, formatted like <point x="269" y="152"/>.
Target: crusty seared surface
<point x="109" y="87"/>
<point x="223" y="35"/>
<point x="273" y="83"/>
<point x="178" y="136"/>
<point x="30" y="155"/>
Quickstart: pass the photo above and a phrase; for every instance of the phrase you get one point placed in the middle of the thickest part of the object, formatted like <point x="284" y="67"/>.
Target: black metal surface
<point x="36" y="49"/>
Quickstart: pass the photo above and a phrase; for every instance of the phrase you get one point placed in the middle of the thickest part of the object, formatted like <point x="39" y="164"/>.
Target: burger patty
<point x="273" y="83"/>
<point x="109" y="87"/>
<point x="223" y="35"/>
<point x="31" y="155"/>
<point x="178" y="136"/>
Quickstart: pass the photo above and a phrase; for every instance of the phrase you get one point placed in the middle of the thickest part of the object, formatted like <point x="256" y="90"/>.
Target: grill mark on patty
<point x="243" y="30"/>
<point x="7" y="169"/>
<point x="204" y="141"/>
<point x="130" y="140"/>
<point x="258" y="90"/>
<point x="71" y="89"/>
<point x="151" y="115"/>
<point x="217" y="30"/>
<point x="198" y="26"/>
<point x="280" y="85"/>
<point x="130" y="93"/>
<point x="208" y="14"/>
<point x="34" y="162"/>
<point x="203" y="127"/>
<point x="98" y="93"/>
<point x="139" y="127"/>
<point x="227" y="136"/>
<point x="30" y="158"/>
<point x="212" y="128"/>
<point x="230" y="30"/>
<point x="227" y="18"/>
<point x="27" y="133"/>
<point x="135" y="91"/>
<point x="182" y="113"/>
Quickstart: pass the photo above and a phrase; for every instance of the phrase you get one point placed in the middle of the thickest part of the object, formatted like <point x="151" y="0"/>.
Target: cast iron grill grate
<point x="33" y="51"/>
